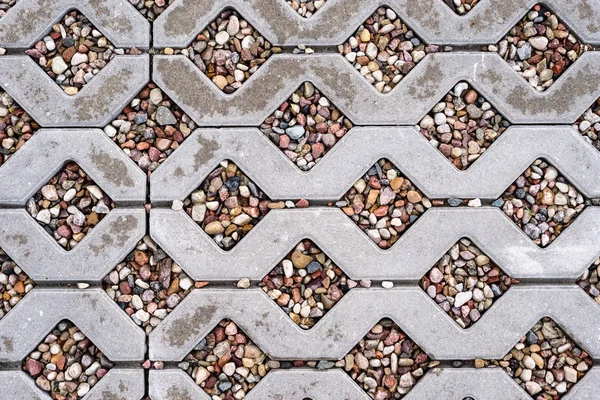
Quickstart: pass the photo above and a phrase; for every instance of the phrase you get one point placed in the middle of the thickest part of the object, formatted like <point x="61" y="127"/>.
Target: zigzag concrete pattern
<point x="360" y="309"/>
<point x="426" y="167"/>
<point x="70" y="285"/>
<point x="413" y="255"/>
<point x="431" y="20"/>
<point x="406" y="104"/>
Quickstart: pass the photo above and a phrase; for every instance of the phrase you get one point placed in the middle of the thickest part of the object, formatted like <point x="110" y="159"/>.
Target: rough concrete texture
<point x="228" y="130"/>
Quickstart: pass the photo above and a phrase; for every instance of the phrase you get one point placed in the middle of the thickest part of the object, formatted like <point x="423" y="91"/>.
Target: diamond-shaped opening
<point x="540" y="47"/>
<point x="228" y="205"/>
<point x="542" y="202"/>
<point x="150" y="128"/>
<point x="589" y="124"/>
<point x="461" y="7"/>
<point x="306" y="8"/>
<point x="226" y="364"/>
<point x="306" y="284"/>
<point x="546" y="362"/>
<point x="66" y="364"/>
<point x="306" y="126"/>
<point x="16" y="126"/>
<point x="384" y="203"/>
<point x="6" y="5"/>
<point x="74" y="52"/>
<point x="229" y="50"/>
<point x="151" y="9"/>
<point x="148" y="284"/>
<point x="463" y="125"/>
<point x="70" y="205"/>
<point x="14" y="283"/>
<point x="386" y="363"/>
<point x="465" y="283"/>
<point x="384" y="50"/>
<point x="590" y="281"/>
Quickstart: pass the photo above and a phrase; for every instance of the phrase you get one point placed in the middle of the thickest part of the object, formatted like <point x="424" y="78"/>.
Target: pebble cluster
<point x="384" y="49"/>
<point x="66" y="364"/>
<point x="69" y="206"/>
<point x="14" y="283"/>
<point x="16" y="126"/>
<point x="306" y="284"/>
<point x="540" y="47"/>
<point x="384" y="203"/>
<point x="306" y="8"/>
<point x="227" y="205"/>
<point x="589" y="124"/>
<point x="386" y="363"/>
<point x="148" y="284"/>
<point x="228" y="51"/>
<point x="150" y="128"/>
<point x="463" y="126"/>
<point x="461" y="7"/>
<point x="542" y="202"/>
<point x="74" y="52"/>
<point x="226" y="364"/>
<point x="546" y="362"/>
<point x="151" y="9"/>
<point x="465" y="283"/>
<point x="306" y="126"/>
<point x="6" y="5"/>
<point x="590" y="281"/>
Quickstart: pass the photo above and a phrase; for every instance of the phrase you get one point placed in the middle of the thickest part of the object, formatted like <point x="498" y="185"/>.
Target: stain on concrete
<point x="176" y="393"/>
<point x="113" y="86"/>
<point x="114" y="169"/>
<point x="183" y="328"/>
<point x="9" y="344"/>
<point x="206" y="152"/>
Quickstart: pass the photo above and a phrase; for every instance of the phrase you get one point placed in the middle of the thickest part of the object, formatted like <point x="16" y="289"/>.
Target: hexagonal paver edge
<point x="44" y="260"/>
<point x="91" y="310"/>
<point x="420" y="90"/>
<point x="29" y="20"/>
<point x="431" y="19"/>
<point x="117" y="384"/>
<point x="360" y="309"/>
<point x="427" y="168"/>
<point x="49" y="149"/>
<point x="94" y="106"/>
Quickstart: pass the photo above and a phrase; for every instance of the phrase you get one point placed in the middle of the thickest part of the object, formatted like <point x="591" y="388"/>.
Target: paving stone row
<point x="332" y="24"/>
<point x="420" y="90"/>
<point x="571" y="254"/>
<point x="329" y="180"/>
<point x="317" y="328"/>
<point x="322" y="385"/>
<point x="360" y="309"/>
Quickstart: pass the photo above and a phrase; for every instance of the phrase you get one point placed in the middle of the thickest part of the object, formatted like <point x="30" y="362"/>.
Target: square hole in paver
<point x="150" y="128"/>
<point x="542" y="202"/>
<point x="386" y="363"/>
<point x="74" y="52"/>
<point x="306" y="284"/>
<point x="384" y="49"/>
<point x="14" y="283"/>
<point x="306" y="126"/>
<point x="384" y="203"/>
<point x="69" y="206"/>
<point x="148" y="284"/>
<point x="465" y="283"/>
<point x="16" y="126"/>
<point x="463" y="125"/>
<point x="66" y="364"/>
<point x="229" y="51"/>
<point x="546" y="362"/>
<point x="540" y="47"/>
